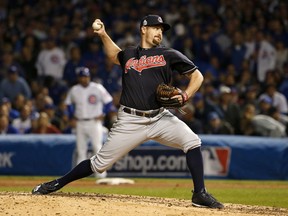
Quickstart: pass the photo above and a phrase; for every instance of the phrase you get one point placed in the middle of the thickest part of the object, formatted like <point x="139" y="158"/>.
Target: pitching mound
<point x="111" y="205"/>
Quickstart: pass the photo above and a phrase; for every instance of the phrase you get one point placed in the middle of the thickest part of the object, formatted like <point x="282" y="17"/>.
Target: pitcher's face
<point x="152" y="35"/>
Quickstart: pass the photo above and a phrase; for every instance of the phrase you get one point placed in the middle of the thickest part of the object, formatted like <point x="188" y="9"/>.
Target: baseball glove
<point x="164" y="93"/>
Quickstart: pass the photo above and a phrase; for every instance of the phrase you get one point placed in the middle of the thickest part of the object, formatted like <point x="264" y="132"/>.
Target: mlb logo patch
<point x="216" y="161"/>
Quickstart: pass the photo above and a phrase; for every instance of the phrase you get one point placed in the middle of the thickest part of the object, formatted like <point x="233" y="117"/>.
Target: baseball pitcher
<point x="143" y="114"/>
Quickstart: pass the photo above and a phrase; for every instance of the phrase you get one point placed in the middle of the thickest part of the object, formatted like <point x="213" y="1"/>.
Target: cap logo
<point x="145" y="22"/>
<point x="160" y="20"/>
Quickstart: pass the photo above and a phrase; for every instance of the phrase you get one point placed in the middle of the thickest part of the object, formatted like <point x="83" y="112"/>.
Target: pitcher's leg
<point x="128" y="132"/>
<point x="195" y="164"/>
<point x="117" y="145"/>
<point x="175" y="133"/>
<point x="171" y="131"/>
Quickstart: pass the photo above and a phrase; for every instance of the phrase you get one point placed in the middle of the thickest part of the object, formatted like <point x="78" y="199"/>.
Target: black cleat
<point x="205" y="200"/>
<point x="46" y="188"/>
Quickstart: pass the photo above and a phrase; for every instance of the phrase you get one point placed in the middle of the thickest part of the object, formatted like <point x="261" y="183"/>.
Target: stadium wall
<point x="225" y="157"/>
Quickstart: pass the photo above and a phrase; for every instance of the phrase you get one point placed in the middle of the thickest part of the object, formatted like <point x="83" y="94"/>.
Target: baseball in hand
<point x="96" y="26"/>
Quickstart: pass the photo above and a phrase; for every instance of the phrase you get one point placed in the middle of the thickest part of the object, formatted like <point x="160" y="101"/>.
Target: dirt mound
<point x="13" y="203"/>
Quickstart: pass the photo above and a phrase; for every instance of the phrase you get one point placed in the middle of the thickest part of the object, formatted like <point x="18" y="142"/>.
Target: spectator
<point x="188" y="48"/>
<point x="69" y="75"/>
<point x="277" y="31"/>
<point x="14" y="85"/>
<point x="34" y="123"/>
<point x="62" y="114"/>
<point x="250" y="54"/>
<point x="249" y="97"/>
<point x="201" y="108"/>
<point x="283" y="87"/>
<point x="281" y="56"/>
<point x="203" y="46"/>
<point x="110" y="77"/>
<point x="229" y="80"/>
<point x="272" y="78"/>
<point x="217" y="126"/>
<point x="44" y="126"/>
<point x="33" y="45"/>
<point x="260" y="125"/>
<point x="279" y="100"/>
<point x="42" y="98"/>
<point x="274" y="113"/>
<point x="19" y="102"/>
<point x="244" y="81"/>
<point x="211" y="95"/>
<point x="265" y="103"/>
<point x="50" y="110"/>
<point x="28" y="57"/>
<point x="212" y="68"/>
<point x="188" y="118"/>
<point x="8" y="59"/>
<point x="265" y="54"/>
<point x="7" y="105"/>
<point x="28" y="63"/>
<point x="93" y="57"/>
<point x="4" y="110"/>
<point x="51" y="60"/>
<point x="237" y="52"/>
<point x="57" y="89"/>
<point x="230" y="111"/>
<point x="23" y="123"/>
<point x="5" y="127"/>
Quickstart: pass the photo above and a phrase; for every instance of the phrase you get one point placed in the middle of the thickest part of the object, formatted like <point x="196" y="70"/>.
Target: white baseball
<point x="96" y="26"/>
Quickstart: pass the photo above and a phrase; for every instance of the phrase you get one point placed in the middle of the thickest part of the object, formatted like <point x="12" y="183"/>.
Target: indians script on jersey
<point x="145" y="63"/>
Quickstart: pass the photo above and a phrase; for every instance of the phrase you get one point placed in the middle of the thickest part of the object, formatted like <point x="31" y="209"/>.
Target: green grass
<point x="262" y="193"/>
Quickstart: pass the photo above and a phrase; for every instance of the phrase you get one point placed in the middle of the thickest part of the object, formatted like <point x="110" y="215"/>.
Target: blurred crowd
<point x="240" y="46"/>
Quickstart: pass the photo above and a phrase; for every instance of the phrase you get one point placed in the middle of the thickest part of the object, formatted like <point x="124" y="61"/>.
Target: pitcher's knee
<point x="191" y="145"/>
<point x="95" y="165"/>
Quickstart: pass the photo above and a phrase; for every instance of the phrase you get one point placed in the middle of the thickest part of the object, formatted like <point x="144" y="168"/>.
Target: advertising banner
<point x="228" y="157"/>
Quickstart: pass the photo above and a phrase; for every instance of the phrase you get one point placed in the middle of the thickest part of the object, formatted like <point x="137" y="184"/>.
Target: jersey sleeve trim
<point x="190" y="71"/>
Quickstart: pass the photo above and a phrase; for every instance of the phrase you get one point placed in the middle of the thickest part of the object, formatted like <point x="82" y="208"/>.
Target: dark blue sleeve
<point x="120" y="57"/>
<point x="109" y="107"/>
<point x="180" y="63"/>
<point x="12" y="130"/>
<point x="71" y="110"/>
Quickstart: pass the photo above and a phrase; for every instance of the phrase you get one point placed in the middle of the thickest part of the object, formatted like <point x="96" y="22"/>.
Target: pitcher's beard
<point x="156" y="42"/>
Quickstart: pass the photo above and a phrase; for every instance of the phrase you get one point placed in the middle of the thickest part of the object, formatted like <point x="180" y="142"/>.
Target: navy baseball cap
<point x="49" y="106"/>
<point x="213" y="116"/>
<point x="5" y="100"/>
<point x="83" y="71"/>
<point x="153" y="20"/>
<point x="266" y="99"/>
<point x="13" y="69"/>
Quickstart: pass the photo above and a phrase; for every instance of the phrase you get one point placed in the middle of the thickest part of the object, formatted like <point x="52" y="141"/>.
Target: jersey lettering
<point x="145" y="63"/>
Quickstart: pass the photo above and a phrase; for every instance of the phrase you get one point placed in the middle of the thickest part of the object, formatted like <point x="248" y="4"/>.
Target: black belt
<point x="90" y="119"/>
<point x="150" y="114"/>
<point x="86" y="119"/>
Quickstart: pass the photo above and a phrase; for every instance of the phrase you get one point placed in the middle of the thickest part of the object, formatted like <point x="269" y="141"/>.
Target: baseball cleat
<point x="46" y="188"/>
<point x="205" y="200"/>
